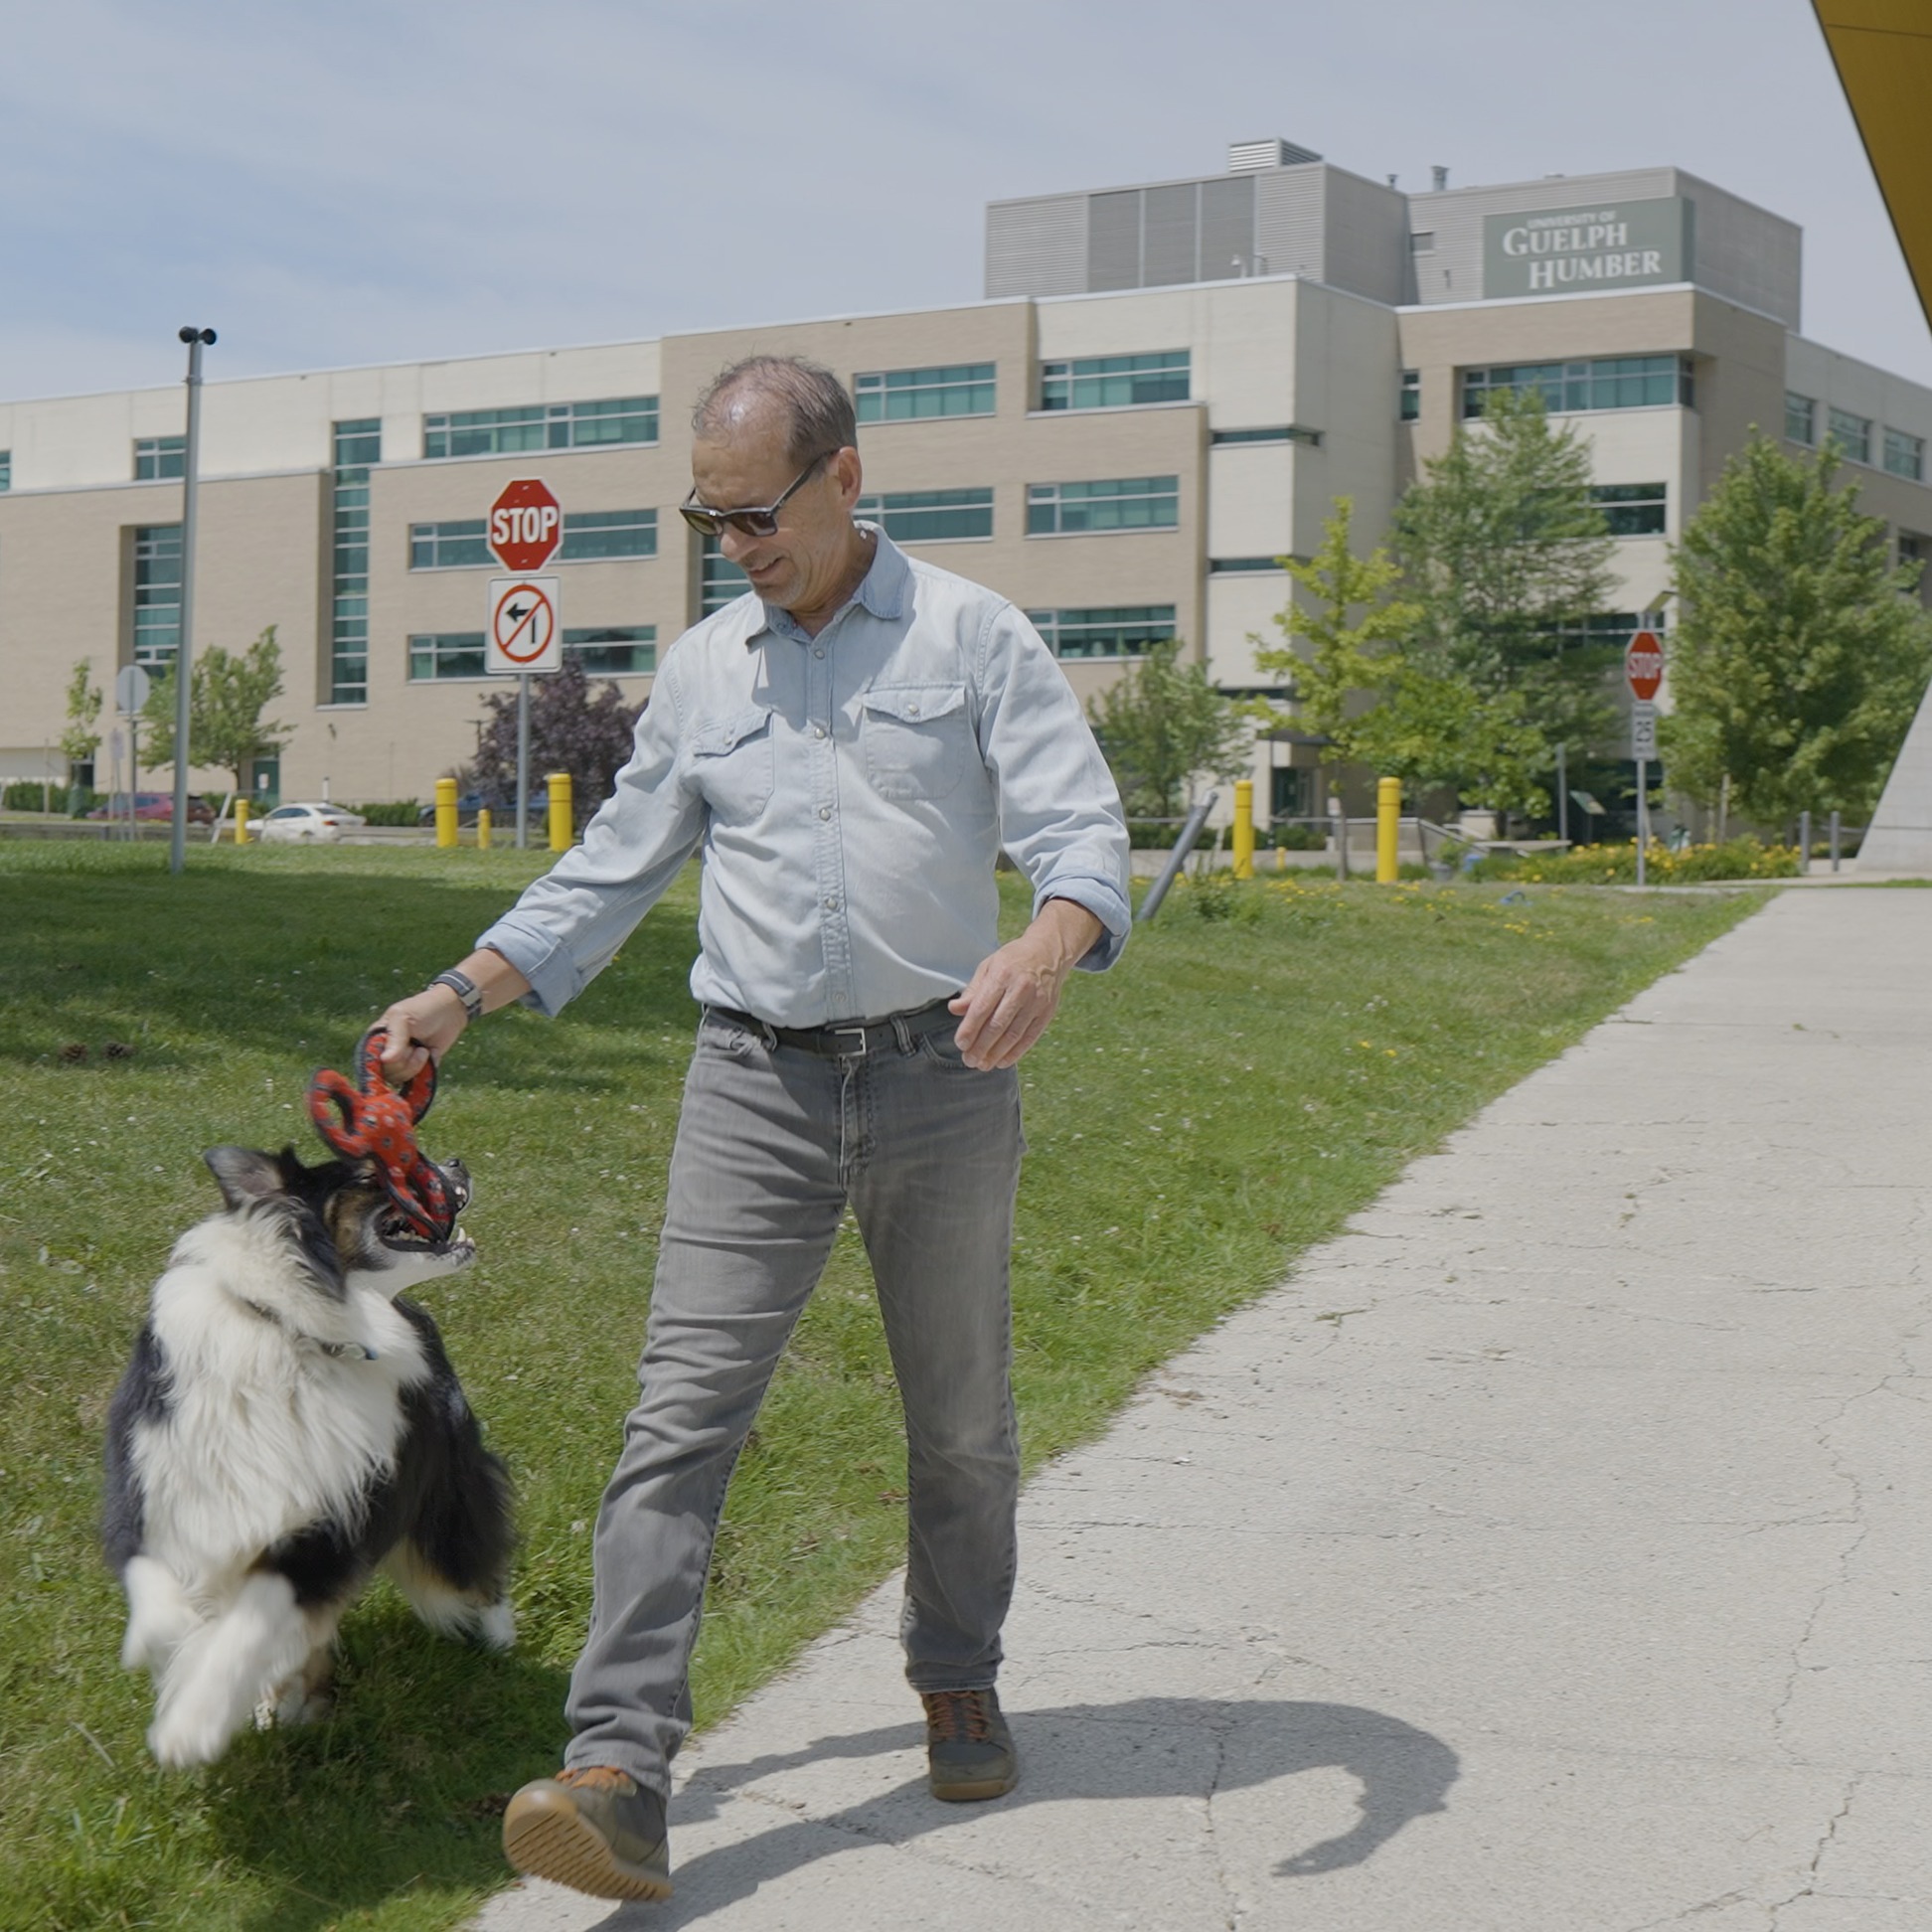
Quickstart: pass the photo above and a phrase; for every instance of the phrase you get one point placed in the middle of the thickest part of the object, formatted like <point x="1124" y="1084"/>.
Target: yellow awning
<point x="1884" y="52"/>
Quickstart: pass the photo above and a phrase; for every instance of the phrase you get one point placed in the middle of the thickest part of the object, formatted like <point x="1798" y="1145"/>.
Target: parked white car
<point x="305" y="824"/>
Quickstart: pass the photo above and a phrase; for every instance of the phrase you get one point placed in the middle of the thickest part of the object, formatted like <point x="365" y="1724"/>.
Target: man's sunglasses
<point x="747" y="522"/>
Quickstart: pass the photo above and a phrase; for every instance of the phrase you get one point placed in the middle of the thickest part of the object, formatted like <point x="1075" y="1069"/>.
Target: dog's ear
<point x="244" y="1174"/>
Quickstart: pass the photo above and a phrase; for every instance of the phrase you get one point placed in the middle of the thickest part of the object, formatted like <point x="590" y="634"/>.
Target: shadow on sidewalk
<point x="1180" y="1748"/>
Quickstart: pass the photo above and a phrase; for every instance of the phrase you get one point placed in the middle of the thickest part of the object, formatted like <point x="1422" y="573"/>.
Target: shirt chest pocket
<point x="916" y="740"/>
<point x="731" y="763"/>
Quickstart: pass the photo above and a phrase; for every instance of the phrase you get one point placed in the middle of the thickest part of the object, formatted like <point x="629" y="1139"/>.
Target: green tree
<point x="1502" y="551"/>
<point x="1800" y="654"/>
<point x="1383" y="698"/>
<point x="82" y="739"/>
<point x="225" y="697"/>
<point x="1162" y="727"/>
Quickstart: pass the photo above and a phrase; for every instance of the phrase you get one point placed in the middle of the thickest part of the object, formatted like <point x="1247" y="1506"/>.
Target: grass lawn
<point x="1263" y="1060"/>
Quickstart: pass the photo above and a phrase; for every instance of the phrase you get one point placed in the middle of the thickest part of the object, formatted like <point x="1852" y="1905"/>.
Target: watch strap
<point x="466" y="990"/>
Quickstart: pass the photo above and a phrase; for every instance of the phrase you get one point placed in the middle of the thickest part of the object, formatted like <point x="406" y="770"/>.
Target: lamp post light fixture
<point x="196" y="339"/>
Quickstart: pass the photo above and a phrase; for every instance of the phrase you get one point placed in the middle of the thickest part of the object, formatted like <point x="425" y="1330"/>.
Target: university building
<point x="1161" y="392"/>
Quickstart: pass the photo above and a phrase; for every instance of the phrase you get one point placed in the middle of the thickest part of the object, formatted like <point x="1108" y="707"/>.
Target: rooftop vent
<point x="1439" y="178"/>
<point x="1245" y="157"/>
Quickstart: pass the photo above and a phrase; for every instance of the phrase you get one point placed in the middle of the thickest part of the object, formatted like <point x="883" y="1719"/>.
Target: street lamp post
<point x="185" y="650"/>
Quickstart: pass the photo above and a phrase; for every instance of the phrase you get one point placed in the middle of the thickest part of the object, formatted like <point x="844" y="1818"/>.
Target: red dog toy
<point x="374" y="1121"/>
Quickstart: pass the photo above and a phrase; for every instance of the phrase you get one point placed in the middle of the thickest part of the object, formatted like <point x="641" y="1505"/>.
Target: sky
<point x="347" y="181"/>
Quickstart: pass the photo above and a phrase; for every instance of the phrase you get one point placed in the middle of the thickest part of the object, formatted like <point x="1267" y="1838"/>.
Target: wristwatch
<point x="464" y="989"/>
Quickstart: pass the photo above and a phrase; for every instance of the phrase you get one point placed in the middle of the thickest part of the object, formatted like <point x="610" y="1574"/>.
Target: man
<point x="850" y="745"/>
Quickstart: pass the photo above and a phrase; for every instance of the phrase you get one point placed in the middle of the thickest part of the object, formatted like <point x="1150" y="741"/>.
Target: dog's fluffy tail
<point x="209" y="1686"/>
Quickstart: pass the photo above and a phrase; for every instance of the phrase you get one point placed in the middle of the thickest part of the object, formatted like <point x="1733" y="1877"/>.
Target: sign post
<point x="1643" y="672"/>
<point x="523" y="638"/>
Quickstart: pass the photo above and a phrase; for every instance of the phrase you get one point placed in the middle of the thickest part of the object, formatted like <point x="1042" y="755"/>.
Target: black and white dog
<point x="288" y="1424"/>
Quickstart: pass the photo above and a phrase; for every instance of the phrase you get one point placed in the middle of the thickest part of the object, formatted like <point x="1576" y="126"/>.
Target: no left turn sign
<point x="523" y="635"/>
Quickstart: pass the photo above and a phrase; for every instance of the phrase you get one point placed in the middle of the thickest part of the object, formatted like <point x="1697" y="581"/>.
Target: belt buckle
<point x="856" y="1053"/>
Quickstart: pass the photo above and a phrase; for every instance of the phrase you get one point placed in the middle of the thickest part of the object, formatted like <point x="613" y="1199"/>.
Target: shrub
<point x="395" y="811"/>
<point x="1616" y="865"/>
<point x="27" y="794"/>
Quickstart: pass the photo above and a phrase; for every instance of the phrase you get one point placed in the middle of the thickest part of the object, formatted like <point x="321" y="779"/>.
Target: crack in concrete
<point x="1716" y="1904"/>
<point x="1809" y="1887"/>
<point x="1231" y="1912"/>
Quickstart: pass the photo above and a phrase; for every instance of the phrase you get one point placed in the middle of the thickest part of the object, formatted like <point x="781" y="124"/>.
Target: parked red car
<point x="153" y="805"/>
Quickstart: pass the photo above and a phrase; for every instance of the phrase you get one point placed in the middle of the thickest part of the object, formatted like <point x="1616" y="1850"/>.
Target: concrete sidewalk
<point x="1550" y="1552"/>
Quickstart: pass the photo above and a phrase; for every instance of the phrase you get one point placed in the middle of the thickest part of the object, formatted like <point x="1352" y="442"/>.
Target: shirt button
<point x="818" y="731"/>
<point x="818" y="650"/>
<point x="831" y="904"/>
<point x="825" y="811"/>
<point x="911" y="710"/>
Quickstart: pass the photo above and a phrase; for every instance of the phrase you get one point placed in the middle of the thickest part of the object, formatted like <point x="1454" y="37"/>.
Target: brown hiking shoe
<point x="969" y="1749"/>
<point x="592" y="1828"/>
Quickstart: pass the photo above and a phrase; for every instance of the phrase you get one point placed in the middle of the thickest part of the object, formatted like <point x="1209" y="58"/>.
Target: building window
<point x="1410" y="405"/>
<point x="930" y="516"/>
<point x="1801" y="418"/>
<point x="1615" y="382"/>
<point x="1115" y="382"/>
<point x="1117" y="631"/>
<point x="1852" y="433"/>
<point x="157" y="457"/>
<point x="614" y="650"/>
<point x="905" y="395"/>
<point x="1631" y="509"/>
<point x="720" y="580"/>
<point x="1243" y="565"/>
<point x="455" y="546"/>
<point x="6" y="470"/>
<point x="1422" y="241"/>
<point x="1606" y="630"/>
<point x="1905" y="455"/>
<point x="540" y="425"/>
<point x="358" y="447"/>
<point x="1279" y="432"/>
<point x="1118" y="503"/>
<point x="157" y="596"/>
<point x="588" y="534"/>
<point x="446" y="654"/>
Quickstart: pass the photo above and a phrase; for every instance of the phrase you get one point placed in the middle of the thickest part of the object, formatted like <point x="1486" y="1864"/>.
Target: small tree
<point x="1800" y="654"/>
<point x="572" y="728"/>
<point x="1383" y="698"/>
<point x="81" y="738"/>
<point x="225" y="697"/>
<point x="1502" y="551"/>
<point x="1162" y="727"/>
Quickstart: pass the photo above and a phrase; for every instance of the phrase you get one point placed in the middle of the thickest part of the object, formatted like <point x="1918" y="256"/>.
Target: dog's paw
<point x="496" y="1625"/>
<point x="181" y="1739"/>
<point x="293" y="1703"/>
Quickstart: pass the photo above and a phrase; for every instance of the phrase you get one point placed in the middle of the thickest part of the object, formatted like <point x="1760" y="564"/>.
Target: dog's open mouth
<point x="398" y="1231"/>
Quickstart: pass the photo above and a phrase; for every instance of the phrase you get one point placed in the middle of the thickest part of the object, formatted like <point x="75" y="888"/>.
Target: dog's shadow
<point x="1173" y="1748"/>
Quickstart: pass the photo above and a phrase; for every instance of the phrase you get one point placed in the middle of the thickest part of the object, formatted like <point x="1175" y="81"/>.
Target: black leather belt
<point x="851" y="1041"/>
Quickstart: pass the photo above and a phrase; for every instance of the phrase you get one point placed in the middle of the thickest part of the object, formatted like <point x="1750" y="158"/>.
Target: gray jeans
<point x="773" y="1141"/>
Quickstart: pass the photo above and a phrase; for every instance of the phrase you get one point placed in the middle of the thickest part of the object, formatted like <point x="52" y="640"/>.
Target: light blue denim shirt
<point x="850" y="792"/>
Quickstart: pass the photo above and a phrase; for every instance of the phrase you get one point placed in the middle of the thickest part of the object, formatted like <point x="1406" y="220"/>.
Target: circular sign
<point x="131" y="687"/>
<point x="522" y="623"/>
<point x="525" y="524"/>
<point x="1644" y="666"/>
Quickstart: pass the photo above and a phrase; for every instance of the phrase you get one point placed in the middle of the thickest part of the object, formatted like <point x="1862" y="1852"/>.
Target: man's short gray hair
<point x="818" y="411"/>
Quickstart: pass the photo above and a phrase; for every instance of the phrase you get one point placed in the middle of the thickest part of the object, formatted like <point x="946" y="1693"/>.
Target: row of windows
<point x="6" y="470"/>
<point x="604" y="651"/>
<point x="1610" y="383"/>
<point x="970" y="389"/>
<point x="589" y="536"/>
<point x="540" y="425"/>
<point x="356" y="447"/>
<point x="1902" y="454"/>
<point x="1126" y="503"/>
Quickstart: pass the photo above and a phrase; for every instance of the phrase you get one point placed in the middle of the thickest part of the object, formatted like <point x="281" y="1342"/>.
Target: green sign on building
<point x="1566" y="250"/>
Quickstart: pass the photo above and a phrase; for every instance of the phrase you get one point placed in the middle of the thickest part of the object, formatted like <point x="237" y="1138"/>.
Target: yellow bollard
<point x="1388" y="820"/>
<point x="1244" y="828"/>
<point x="561" y="818"/>
<point x="483" y="829"/>
<point x="446" y="812"/>
<point x="240" y="821"/>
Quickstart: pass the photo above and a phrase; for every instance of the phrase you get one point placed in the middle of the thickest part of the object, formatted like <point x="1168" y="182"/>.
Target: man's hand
<point x="428" y="1024"/>
<point x="1012" y="997"/>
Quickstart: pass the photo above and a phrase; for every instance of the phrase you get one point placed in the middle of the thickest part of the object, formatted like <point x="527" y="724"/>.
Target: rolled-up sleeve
<point x="568" y="926"/>
<point x="1060" y="817"/>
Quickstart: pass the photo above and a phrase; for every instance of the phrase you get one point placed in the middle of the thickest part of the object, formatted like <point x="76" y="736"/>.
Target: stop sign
<point x="526" y="524"/>
<point x="1644" y="666"/>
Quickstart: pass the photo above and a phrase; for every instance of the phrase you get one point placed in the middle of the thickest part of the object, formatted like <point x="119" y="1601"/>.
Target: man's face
<point x="804" y="562"/>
